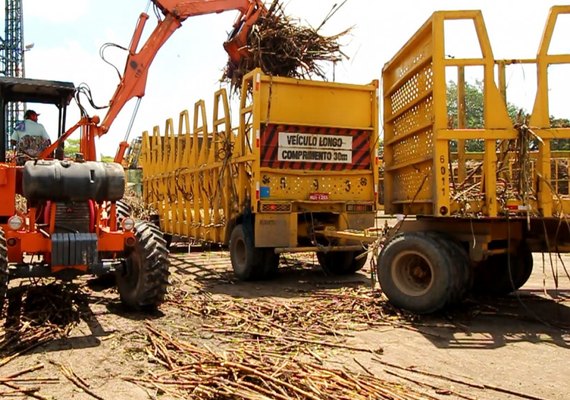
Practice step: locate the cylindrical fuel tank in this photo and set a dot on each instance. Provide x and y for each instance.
(57, 180)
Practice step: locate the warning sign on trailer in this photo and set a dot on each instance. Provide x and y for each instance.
(307, 147)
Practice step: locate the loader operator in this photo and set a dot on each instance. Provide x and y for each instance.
(30, 137)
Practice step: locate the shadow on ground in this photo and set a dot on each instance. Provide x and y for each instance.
(39, 317)
(212, 271)
(493, 322)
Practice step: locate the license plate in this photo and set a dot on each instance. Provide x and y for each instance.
(318, 196)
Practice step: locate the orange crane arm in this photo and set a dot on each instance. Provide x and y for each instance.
(133, 82)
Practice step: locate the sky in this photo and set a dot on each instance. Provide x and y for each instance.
(67, 36)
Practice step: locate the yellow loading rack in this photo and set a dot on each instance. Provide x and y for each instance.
(418, 136)
(301, 165)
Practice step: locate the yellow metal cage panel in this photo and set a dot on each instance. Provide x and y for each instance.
(191, 178)
(422, 175)
(202, 179)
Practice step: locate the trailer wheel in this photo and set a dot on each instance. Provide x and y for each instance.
(4, 272)
(417, 272)
(270, 263)
(247, 261)
(460, 258)
(341, 262)
(501, 274)
(144, 279)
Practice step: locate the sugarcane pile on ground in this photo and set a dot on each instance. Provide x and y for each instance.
(20, 385)
(317, 314)
(38, 314)
(203, 373)
(310, 325)
(281, 47)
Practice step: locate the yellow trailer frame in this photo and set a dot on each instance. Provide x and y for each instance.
(301, 163)
(417, 137)
(447, 243)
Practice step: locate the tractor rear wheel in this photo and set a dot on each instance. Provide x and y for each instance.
(341, 262)
(247, 260)
(418, 272)
(4, 273)
(143, 281)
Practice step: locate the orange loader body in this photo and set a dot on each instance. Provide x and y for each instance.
(73, 220)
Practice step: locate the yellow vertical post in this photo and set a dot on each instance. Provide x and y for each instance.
(157, 187)
(182, 177)
(495, 116)
(387, 159)
(247, 122)
(255, 140)
(441, 146)
(222, 130)
(168, 166)
(147, 167)
(461, 159)
(540, 115)
(200, 128)
(376, 141)
(544, 189)
(489, 177)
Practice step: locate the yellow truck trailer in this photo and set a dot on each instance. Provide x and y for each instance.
(302, 163)
(470, 221)
(300, 173)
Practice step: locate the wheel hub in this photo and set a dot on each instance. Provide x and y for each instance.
(413, 274)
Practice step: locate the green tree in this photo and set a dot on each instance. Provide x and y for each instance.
(473, 104)
(71, 148)
(559, 144)
(474, 111)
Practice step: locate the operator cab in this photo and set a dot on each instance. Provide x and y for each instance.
(33, 91)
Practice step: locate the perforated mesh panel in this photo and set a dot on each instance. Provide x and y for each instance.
(338, 187)
(416, 86)
(413, 183)
(411, 122)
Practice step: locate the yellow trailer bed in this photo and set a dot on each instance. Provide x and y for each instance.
(301, 161)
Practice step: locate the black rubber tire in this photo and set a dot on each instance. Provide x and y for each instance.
(143, 281)
(247, 260)
(4, 272)
(341, 262)
(416, 272)
(122, 209)
(502, 274)
(270, 263)
(460, 258)
(168, 237)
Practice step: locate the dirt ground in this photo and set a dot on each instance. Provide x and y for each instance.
(492, 348)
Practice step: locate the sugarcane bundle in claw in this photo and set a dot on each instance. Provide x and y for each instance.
(280, 46)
